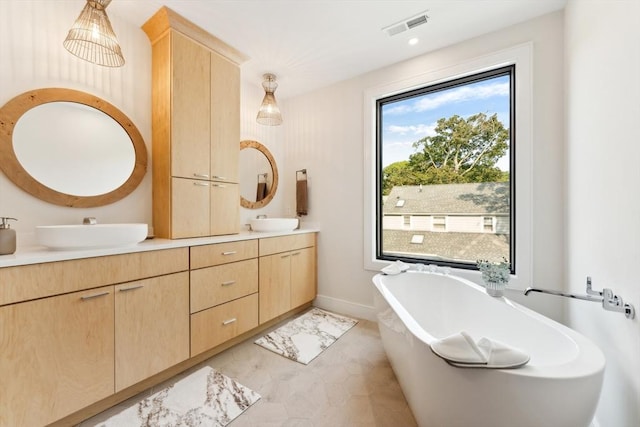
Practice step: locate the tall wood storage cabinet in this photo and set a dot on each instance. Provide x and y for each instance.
(196, 129)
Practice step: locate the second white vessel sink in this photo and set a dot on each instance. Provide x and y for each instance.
(273, 224)
(94, 236)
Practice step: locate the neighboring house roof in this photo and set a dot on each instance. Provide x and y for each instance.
(449, 246)
(487, 198)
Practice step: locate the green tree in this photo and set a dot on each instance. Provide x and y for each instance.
(467, 148)
(463, 150)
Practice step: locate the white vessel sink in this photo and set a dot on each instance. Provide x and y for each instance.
(273, 224)
(70, 237)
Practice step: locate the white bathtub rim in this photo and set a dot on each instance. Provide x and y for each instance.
(589, 358)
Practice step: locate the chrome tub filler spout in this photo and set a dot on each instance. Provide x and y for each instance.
(609, 300)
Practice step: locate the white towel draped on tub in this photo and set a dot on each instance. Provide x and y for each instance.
(463, 351)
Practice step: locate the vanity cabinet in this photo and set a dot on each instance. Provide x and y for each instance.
(196, 129)
(56, 356)
(224, 292)
(287, 266)
(75, 332)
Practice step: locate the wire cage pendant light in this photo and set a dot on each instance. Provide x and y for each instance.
(269, 113)
(91, 37)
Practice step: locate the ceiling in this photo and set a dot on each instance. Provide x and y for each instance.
(310, 44)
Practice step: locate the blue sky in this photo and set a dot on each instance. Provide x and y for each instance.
(410, 120)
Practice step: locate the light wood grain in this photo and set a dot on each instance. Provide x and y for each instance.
(225, 119)
(222, 253)
(161, 135)
(191, 108)
(273, 245)
(217, 285)
(225, 208)
(165, 18)
(151, 327)
(56, 356)
(303, 276)
(216, 325)
(190, 215)
(27, 282)
(275, 285)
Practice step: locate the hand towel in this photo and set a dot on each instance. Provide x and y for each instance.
(463, 351)
(395, 268)
(301, 197)
(261, 191)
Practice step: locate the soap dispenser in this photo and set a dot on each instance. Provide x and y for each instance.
(7, 236)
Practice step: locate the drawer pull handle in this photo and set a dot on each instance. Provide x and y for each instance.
(219, 177)
(88, 297)
(285, 256)
(201, 184)
(295, 253)
(219, 185)
(228, 283)
(230, 253)
(201, 175)
(228, 322)
(131, 288)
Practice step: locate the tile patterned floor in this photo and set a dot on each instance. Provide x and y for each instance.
(350, 384)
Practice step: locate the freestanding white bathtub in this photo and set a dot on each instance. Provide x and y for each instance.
(559, 387)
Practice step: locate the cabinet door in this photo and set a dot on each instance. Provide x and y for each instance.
(151, 327)
(225, 208)
(190, 208)
(225, 119)
(190, 108)
(56, 356)
(274, 285)
(303, 276)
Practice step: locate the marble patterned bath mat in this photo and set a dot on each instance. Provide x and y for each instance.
(305, 337)
(204, 398)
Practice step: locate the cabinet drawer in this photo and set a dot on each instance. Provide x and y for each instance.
(216, 325)
(213, 286)
(273, 245)
(222, 253)
(27, 282)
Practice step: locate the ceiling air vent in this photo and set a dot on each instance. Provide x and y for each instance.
(407, 24)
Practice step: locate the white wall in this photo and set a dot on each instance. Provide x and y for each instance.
(324, 134)
(32, 57)
(602, 174)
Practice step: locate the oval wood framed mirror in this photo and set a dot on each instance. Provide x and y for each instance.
(24, 107)
(258, 175)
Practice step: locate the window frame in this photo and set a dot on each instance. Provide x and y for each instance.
(446, 84)
(447, 69)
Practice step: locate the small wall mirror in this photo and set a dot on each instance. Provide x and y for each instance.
(258, 175)
(70, 148)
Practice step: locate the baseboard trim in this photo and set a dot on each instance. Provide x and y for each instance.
(345, 307)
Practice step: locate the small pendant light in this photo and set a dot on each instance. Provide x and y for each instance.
(269, 113)
(91, 37)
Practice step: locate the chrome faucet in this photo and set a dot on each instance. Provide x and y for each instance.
(609, 300)
(89, 220)
(261, 217)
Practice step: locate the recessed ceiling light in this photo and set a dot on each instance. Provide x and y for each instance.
(413, 41)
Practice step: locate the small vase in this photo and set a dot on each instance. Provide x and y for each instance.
(495, 289)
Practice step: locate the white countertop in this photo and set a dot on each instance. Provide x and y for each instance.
(39, 254)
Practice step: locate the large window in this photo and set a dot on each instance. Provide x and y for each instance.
(445, 171)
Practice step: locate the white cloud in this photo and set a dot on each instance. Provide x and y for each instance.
(463, 93)
(421, 130)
